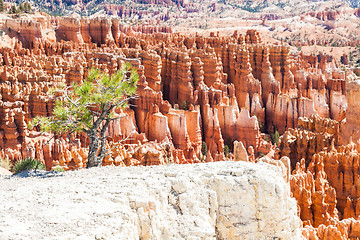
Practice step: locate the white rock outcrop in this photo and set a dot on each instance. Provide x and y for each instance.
(221, 200)
(240, 153)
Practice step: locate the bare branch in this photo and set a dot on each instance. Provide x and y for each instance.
(116, 145)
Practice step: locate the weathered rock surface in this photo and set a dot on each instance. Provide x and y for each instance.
(223, 200)
(240, 153)
(327, 194)
(349, 128)
(312, 136)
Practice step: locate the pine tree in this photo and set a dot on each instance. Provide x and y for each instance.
(89, 107)
(275, 137)
(1, 5)
(12, 9)
(27, 7)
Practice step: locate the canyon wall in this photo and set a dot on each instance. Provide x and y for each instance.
(192, 89)
(324, 176)
(327, 194)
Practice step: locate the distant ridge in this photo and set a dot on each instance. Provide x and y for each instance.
(163, 9)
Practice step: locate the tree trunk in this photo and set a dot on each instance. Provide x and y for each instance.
(102, 152)
(93, 160)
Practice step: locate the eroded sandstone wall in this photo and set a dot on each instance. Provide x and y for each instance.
(191, 89)
(324, 178)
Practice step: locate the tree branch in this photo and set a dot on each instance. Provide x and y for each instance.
(116, 145)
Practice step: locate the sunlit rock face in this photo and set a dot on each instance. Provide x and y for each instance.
(192, 89)
(222, 200)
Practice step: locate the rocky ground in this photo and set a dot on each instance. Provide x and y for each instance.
(223, 200)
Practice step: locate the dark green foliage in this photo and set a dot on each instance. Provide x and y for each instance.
(28, 164)
(351, 56)
(204, 149)
(185, 106)
(27, 7)
(229, 146)
(23, 7)
(275, 137)
(226, 150)
(1, 5)
(12, 10)
(76, 113)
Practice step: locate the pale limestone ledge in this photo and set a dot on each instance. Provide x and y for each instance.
(222, 200)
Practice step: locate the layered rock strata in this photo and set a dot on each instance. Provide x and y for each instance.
(191, 89)
(312, 136)
(327, 194)
(324, 178)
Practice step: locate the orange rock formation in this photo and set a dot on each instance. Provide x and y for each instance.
(191, 89)
(195, 89)
(325, 177)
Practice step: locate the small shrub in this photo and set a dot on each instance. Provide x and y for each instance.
(58, 168)
(351, 56)
(6, 163)
(204, 149)
(185, 106)
(28, 164)
(226, 150)
(275, 137)
(230, 144)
